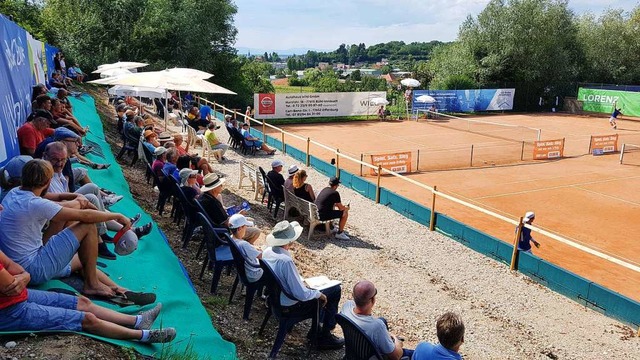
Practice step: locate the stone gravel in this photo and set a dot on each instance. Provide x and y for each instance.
(421, 274)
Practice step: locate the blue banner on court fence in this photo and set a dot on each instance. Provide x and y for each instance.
(15, 86)
(465, 100)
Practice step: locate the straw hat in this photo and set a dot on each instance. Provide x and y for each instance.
(211, 181)
(293, 169)
(284, 233)
(148, 133)
(165, 136)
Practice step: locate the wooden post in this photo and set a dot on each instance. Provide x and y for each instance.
(362, 160)
(378, 185)
(264, 134)
(199, 101)
(224, 111)
(284, 148)
(432, 221)
(337, 163)
(514, 255)
(471, 160)
(308, 154)
(522, 152)
(418, 161)
(590, 142)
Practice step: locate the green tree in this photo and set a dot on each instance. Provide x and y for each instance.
(27, 14)
(356, 75)
(451, 60)
(256, 76)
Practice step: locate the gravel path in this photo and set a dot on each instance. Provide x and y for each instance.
(421, 274)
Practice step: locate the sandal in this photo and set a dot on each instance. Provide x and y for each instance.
(100, 166)
(138, 298)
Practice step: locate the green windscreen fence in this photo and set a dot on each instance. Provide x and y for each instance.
(601, 100)
(153, 267)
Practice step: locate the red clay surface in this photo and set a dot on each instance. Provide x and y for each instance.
(591, 200)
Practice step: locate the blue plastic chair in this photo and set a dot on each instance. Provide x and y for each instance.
(241, 276)
(357, 344)
(218, 251)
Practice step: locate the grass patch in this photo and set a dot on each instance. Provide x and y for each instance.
(282, 89)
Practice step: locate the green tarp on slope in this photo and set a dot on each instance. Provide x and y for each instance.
(152, 267)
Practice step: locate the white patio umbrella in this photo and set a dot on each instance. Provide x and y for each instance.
(190, 73)
(410, 82)
(376, 101)
(114, 72)
(425, 99)
(138, 91)
(119, 65)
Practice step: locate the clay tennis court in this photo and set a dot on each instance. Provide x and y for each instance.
(590, 200)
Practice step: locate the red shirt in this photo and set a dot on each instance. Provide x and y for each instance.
(181, 151)
(6, 301)
(29, 137)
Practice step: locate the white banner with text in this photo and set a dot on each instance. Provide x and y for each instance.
(305, 105)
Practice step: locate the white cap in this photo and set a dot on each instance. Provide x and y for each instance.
(276, 163)
(238, 220)
(529, 216)
(127, 244)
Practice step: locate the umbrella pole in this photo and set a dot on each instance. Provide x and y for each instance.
(166, 109)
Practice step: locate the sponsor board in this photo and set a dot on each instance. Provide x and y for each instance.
(396, 162)
(602, 100)
(603, 144)
(305, 105)
(548, 149)
(467, 100)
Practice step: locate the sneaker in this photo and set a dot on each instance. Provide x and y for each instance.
(108, 192)
(105, 253)
(149, 317)
(110, 200)
(161, 335)
(341, 236)
(135, 218)
(143, 230)
(106, 238)
(330, 342)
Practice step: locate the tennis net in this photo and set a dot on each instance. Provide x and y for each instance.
(630, 154)
(495, 130)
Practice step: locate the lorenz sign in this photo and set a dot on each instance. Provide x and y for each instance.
(305, 105)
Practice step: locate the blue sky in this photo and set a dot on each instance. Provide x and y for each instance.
(325, 24)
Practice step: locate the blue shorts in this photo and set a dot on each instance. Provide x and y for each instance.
(53, 260)
(43, 310)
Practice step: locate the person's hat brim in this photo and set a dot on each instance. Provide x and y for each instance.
(273, 241)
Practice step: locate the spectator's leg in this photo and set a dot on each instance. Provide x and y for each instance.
(252, 234)
(86, 259)
(343, 220)
(330, 310)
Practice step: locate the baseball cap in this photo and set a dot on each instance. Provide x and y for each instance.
(127, 244)
(293, 169)
(529, 215)
(227, 116)
(160, 150)
(184, 175)
(64, 133)
(13, 169)
(238, 220)
(276, 163)
(334, 181)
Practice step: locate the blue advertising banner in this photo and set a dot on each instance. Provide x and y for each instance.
(466, 100)
(50, 52)
(15, 86)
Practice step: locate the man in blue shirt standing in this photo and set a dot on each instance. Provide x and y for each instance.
(524, 243)
(450, 331)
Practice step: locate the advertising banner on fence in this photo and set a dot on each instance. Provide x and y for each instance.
(548, 149)
(467, 100)
(603, 144)
(398, 162)
(15, 85)
(601, 101)
(304, 105)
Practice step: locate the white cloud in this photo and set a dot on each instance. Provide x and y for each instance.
(325, 24)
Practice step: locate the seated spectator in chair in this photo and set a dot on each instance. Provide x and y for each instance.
(151, 140)
(238, 225)
(32, 133)
(189, 183)
(197, 123)
(158, 163)
(209, 200)
(37, 310)
(277, 256)
(288, 183)
(170, 167)
(62, 118)
(252, 140)
(450, 331)
(381, 112)
(56, 155)
(73, 143)
(75, 249)
(37, 90)
(330, 207)
(75, 73)
(276, 178)
(360, 310)
(216, 145)
(228, 121)
(184, 162)
(301, 188)
(198, 162)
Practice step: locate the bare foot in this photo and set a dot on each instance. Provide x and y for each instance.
(100, 290)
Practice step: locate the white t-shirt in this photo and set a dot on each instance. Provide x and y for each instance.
(59, 184)
(250, 257)
(372, 326)
(23, 218)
